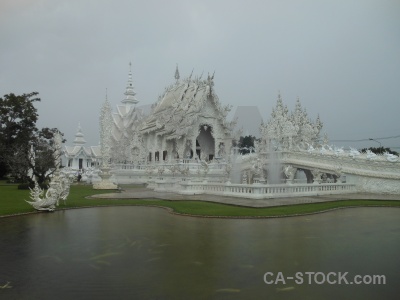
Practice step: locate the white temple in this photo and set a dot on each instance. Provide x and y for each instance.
(185, 144)
(79, 157)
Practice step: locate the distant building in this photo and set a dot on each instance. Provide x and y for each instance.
(249, 120)
(79, 157)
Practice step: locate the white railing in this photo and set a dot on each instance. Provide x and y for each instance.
(259, 191)
(192, 164)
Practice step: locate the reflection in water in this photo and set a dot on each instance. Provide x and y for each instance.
(138, 252)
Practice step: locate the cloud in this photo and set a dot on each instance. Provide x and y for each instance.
(340, 57)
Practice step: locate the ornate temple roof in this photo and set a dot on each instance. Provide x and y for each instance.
(181, 105)
(78, 148)
(130, 90)
(128, 116)
(79, 137)
(126, 122)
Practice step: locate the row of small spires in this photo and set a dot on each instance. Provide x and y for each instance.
(130, 92)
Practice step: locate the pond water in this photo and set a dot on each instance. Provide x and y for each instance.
(147, 253)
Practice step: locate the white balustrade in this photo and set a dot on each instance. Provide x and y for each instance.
(258, 191)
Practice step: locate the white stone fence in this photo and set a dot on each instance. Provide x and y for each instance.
(192, 164)
(253, 191)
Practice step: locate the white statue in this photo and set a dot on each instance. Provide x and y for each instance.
(391, 157)
(354, 152)
(339, 151)
(310, 148)
(371, 155)
(106, 123)
(58, 190)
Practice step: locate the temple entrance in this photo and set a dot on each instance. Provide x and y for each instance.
(80, 163)
(164, 157)
(198, 149)
(205, 143)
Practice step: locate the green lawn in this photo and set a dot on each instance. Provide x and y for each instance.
(12, 202)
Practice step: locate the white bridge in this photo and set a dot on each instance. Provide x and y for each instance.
(326, 173)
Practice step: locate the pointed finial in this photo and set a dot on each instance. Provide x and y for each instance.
(177, 73)
(130, 90)
(279, 96)
(79, 137)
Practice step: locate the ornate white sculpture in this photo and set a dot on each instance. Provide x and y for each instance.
(106, 123)
(189, 110)
(59, 184)
(391, 157)
(47, 202)
(286, 130)
(370, 155)
(339, 151)
(354, 152)
(290, 172)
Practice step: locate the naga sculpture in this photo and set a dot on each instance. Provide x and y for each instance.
(59, 185)
(58, 190)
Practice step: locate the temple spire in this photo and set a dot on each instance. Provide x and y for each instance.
(79, 137)
(177, 73)
(130, 91)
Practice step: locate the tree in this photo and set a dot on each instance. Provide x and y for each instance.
(43, 162)
(22, 146)
(246, 144)
(379, 150)
(18, 117)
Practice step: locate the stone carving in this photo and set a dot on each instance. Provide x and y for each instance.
(221, 150)
(289, 171)
(58, 190)
(184, 171)
(391, 157)
(287, 130)
(47, 202)
(106, 123)
(316, 173)
(174, 169)
(150, 169)
(204, 167)
(258, 169)
(354, 152)
(370, 155)
(227, 170)
(59, 184)
(160, 170)
(244, 178)
(339, 151)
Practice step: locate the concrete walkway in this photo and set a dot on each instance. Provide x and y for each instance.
(143, 193)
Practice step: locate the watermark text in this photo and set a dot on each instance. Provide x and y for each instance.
(322, 278)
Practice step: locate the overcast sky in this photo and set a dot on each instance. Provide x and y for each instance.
(341, 57)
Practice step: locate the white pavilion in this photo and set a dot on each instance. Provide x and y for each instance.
(79, 157)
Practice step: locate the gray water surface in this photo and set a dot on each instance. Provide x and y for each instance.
(147, 253)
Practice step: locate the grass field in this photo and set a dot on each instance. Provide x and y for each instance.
(12, 202)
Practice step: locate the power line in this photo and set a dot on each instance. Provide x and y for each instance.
(364, 140)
